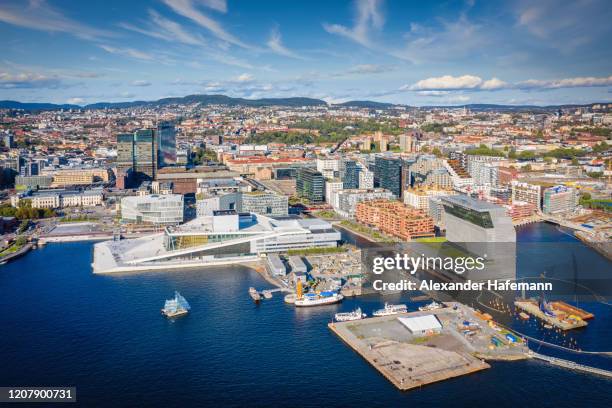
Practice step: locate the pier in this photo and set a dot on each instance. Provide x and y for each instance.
(411, 360)
(571, 365)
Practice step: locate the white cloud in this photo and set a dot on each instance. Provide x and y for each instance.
(578, 82)
(245, 78)
(475, 83)
(141, 82)
(165, 29)
(433, 93)
(28, 80)
(128, 52)
(369, 16)
(187, 8)
(38, 15)
(370, 69)
(447, 82)
(217, 5)
(452, 40)
(275, 43)
(76, 101)
(493, 84)
(564, 25)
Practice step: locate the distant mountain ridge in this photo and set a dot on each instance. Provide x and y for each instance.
(289, 102)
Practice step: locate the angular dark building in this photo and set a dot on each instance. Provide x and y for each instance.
(388, 173)
(350, 179)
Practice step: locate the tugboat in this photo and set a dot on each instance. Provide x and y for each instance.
(176, 307)
(391, 310)
(349, 316)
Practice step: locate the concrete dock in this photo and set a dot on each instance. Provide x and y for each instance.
(410, 360)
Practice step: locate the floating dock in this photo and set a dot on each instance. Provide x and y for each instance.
(572, 310)
(560, 320)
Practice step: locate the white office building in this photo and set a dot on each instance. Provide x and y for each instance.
(153, 209)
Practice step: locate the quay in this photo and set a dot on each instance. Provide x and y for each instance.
(411, 358)
(571, 365)
(558, 321)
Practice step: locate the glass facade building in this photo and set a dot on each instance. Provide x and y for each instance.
(351, 175)
(310, 184)
(388, 174)
(166, 141)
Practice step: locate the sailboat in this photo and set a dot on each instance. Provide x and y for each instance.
(176, 307)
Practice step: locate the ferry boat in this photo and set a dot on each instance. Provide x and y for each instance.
(432, 306)
(317, 299)
(390, 310)
(349, 316)
(176, 307)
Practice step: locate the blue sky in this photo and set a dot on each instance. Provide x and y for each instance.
(412, 52)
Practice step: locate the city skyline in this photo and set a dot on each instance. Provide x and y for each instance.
(459, 52)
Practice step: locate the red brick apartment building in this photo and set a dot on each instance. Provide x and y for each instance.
(394, 218)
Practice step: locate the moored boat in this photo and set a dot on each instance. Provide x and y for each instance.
(390, 310)
(318, 299)
(432, 306)
(176, 307)
(349, 316)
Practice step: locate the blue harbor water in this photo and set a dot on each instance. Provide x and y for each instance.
(63, 326)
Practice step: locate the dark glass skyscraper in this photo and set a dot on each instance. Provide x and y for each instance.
(388, 172)
(166, 142)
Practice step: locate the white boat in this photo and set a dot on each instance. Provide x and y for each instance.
(432, 306)
(317, 299)
(176, 307)
(391, 310)
(349, 316)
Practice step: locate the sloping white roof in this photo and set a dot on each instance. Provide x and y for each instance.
(421, 323)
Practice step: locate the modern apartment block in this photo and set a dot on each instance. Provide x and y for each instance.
(347, 200)
(394, 218)
(419, 197)
(559, 200)
(330, 167)
(331, 188)
(366, 179)
(528, 193)
(153, 209)
(264, 203)
(310, 184)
